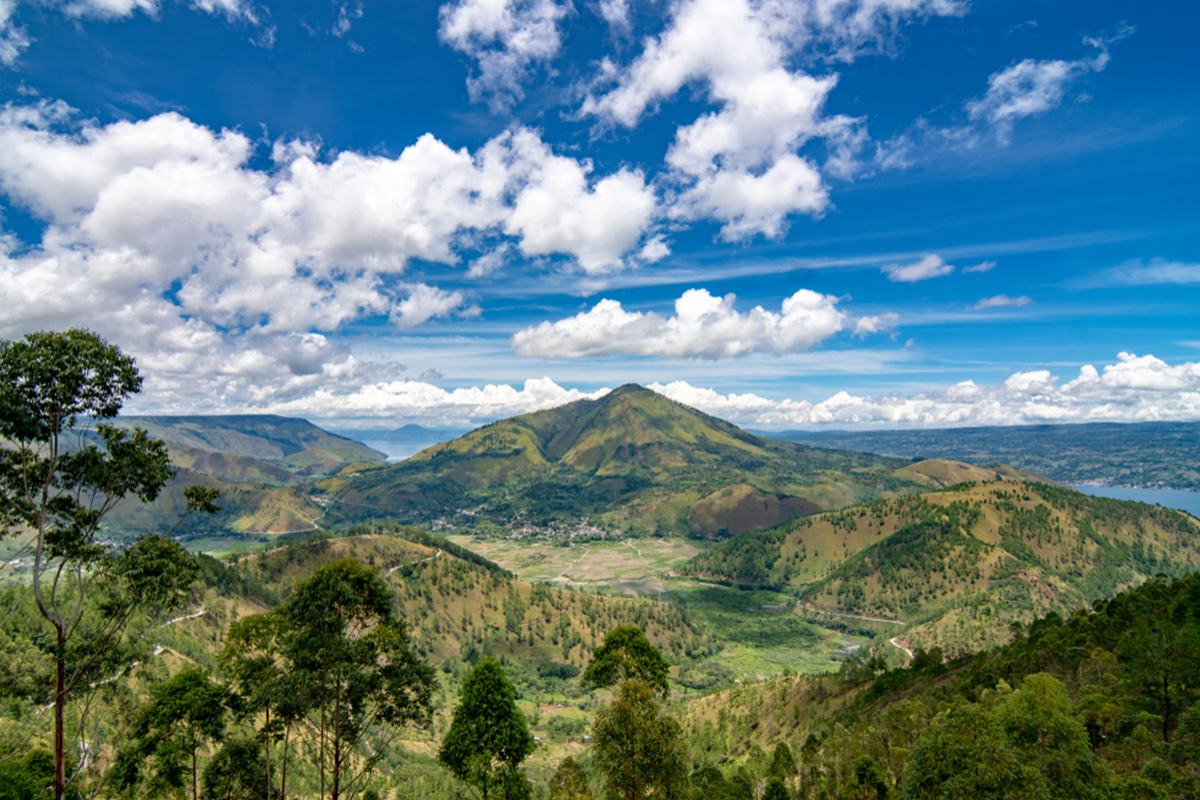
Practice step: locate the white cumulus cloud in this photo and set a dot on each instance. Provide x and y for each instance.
(556, 210)
(703, 327)
(740, 164)
(160, 234)
(505, 37)
(1135, 388)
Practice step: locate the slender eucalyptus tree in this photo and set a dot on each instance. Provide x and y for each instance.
(58, 491)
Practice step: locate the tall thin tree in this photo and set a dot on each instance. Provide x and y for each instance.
(60, 494)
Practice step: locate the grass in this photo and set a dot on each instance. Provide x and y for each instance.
(762, 634)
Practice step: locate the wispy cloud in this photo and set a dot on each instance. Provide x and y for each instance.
(931, 266)
(1001, 300)
(865, 326)
(1156, 271)
(983, 266)
(1031, 87)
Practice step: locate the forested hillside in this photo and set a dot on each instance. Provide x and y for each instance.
(1099, 704)
(959, 565)
(455, 606)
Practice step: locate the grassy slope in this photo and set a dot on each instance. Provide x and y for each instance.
(263, 436)
(633, 460)
(959, 565)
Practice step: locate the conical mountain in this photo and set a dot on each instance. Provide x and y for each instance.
(631, 461)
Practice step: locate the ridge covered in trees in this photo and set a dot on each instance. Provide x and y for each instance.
(960, 564)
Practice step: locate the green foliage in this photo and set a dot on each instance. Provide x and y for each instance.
(965, 756)
(185, 712)
(569, 782)
(236, 772)
(961, 564)
(421, 537)
(868, 781)
(776, 790)
(638, 750)
(353, 662)
(625, 654)
(783, 763)
(30, 777)
(488, 738)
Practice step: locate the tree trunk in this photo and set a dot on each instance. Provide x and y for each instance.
(60, 701)
(337, 740)
(1166, 689)
(195, 794)
(267, 747)
(287, 732)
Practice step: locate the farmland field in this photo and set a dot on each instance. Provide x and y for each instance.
(634, 566)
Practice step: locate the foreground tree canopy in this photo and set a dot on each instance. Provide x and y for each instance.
(627, 653)
(489, 737)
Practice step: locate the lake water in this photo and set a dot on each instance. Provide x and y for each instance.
(1169, 498)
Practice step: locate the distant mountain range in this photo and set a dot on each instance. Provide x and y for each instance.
(402, 442)
(286, 446)
(1118, 454)
(261, 463)
(632, 461)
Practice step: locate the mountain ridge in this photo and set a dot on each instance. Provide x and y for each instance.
(633, 459)
(958, 565)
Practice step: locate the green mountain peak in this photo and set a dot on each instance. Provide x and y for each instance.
(633, 459)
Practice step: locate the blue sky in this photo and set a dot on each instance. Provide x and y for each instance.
(793, 214)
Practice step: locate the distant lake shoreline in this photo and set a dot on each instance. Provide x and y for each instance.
(1180, 499)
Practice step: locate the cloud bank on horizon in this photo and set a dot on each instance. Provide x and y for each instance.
(681, 167)
(1134, 389)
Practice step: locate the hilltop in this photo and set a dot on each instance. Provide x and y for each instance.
(632, 460)
(957, 566)
(263, 465)
(256, 447)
